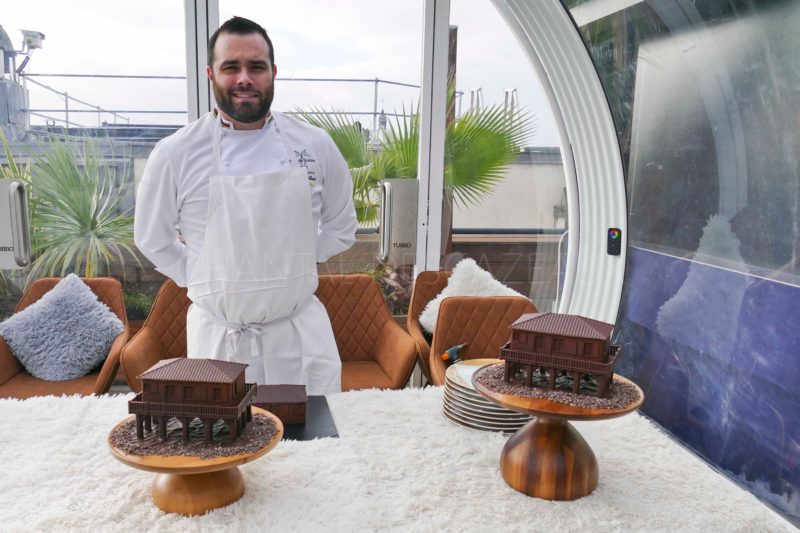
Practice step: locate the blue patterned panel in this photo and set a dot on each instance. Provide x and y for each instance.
(716, 353)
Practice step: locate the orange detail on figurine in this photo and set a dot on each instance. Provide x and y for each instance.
(450, 355)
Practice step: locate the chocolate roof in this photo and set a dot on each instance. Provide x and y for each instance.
(563, 325)
(196, 370)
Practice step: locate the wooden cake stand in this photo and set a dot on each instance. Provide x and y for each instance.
(189, 485)
(547, 458)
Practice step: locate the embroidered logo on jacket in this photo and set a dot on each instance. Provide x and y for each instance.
(303, 160)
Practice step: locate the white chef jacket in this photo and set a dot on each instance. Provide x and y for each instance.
(172, 194)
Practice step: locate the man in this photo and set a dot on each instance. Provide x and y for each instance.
(259, 198)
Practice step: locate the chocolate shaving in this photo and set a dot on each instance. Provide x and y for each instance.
(258, 433)
(620, 394)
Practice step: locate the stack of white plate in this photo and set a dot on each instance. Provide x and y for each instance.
(464, 406)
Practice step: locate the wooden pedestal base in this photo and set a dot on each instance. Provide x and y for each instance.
(547, 458)
(190, 485)
(195, 494)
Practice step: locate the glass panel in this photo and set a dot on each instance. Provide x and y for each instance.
(505, 199)
(93, 97)
(705, 138)
(704, 96)
(352, 65)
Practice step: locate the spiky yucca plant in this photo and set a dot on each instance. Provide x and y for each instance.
(13, 171)
(75, 219)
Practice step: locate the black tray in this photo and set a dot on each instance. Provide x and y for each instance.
(319, 422)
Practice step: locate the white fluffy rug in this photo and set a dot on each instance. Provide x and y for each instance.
(398, 466)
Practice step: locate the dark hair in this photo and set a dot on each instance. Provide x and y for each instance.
(238, 26)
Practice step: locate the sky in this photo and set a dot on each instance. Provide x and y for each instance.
(359, 39)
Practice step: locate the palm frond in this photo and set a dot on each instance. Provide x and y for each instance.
(343, 130)
(402, 146)
(479, 148)
(350, 141)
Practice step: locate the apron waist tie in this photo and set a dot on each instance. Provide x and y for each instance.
(239, 335)
(236, 333)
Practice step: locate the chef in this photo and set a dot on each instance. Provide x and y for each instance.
(239, 207)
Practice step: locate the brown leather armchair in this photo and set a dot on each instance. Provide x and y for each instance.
(15, 382)
(163, 335)
(482, 321)
(375, 351)
(426, 287)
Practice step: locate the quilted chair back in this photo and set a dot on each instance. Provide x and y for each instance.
(357, 311)
(482, 321)
(108, 291)
(427, 286)
(163, 335)
(167, 318)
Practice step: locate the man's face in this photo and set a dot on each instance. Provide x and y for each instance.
(242, 77)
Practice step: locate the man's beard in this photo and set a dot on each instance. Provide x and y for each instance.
(246, 113)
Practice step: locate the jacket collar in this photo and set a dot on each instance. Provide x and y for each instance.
(229, 125)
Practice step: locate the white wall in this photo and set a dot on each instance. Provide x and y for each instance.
(524, 199)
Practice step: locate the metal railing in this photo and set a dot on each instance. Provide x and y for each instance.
(119, 113)
(67, 98)
(191, 410)
(572, 364)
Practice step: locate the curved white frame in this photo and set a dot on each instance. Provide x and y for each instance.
(590, 152)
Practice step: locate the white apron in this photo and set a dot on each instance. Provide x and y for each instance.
(252, 288)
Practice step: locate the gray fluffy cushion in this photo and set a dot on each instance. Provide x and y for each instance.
(64, 335)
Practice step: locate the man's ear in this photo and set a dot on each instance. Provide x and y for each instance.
(210, 73)
(274, 71)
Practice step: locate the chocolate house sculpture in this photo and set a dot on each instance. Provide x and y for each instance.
(557, 343)
(193, 388)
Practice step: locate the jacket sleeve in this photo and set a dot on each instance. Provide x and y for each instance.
(156, 219)
(338, 223)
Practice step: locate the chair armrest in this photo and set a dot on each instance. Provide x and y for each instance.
(395, 352)
(143, 351)
(9, 366)
(110, 367)
(482, 321)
